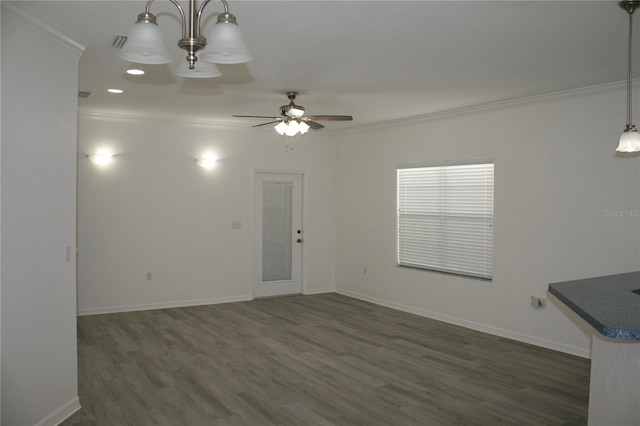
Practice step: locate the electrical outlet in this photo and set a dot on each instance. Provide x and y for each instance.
(148, 276)
(538, 302)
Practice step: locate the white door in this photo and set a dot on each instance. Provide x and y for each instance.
(279, 236)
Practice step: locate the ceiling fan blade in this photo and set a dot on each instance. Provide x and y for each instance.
(265, 124)
(257, 116)
(330, 117)
(314, 125)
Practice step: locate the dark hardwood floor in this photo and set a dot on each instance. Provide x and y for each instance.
(315, 360)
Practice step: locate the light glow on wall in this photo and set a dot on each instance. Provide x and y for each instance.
(207, 161)
(100, 158)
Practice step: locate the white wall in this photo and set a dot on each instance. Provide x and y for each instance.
(154, 210)
(0, 231)
(555, 178)
(39, 110)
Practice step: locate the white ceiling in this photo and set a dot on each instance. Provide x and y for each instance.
(375, 60)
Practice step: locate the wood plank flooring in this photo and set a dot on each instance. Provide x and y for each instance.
(315, 360)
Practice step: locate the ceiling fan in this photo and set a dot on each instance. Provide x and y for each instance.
(293, 120)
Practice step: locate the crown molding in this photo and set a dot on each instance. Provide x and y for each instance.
(137, 117)
(414, 120)
(49, 30)
(510, 103)
(122, 116)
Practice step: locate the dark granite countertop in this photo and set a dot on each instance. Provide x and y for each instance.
(608, 303)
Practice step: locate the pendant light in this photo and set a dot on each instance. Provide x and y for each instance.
(630, 139)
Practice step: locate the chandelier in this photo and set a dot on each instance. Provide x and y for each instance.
(224, 44)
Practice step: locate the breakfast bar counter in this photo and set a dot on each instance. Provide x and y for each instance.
(611, 305)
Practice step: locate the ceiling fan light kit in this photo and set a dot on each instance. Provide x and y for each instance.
(293, 121)
(295, 111)
(630, 139)
(225, 44)
(291, 128)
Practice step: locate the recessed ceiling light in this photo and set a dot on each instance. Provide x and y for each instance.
(115, 90)
(134, 71)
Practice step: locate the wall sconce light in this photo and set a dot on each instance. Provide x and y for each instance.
(100, 158)
(206, 162)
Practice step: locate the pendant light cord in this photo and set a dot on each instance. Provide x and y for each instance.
(629, 69)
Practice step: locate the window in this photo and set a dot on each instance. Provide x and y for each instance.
(445, 218)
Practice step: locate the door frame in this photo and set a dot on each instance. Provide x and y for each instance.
(257, 239)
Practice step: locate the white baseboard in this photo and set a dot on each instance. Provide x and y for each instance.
(509, 334)
(61, 414)
(162, 305)
(319, 291)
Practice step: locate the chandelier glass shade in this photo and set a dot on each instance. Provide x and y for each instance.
(225, 44)
(144, 44)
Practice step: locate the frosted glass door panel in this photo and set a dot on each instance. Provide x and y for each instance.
(279, 235)
(277, 238)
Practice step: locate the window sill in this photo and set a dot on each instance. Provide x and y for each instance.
(438, 271)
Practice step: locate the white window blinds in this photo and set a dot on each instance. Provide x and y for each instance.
(445, 218)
